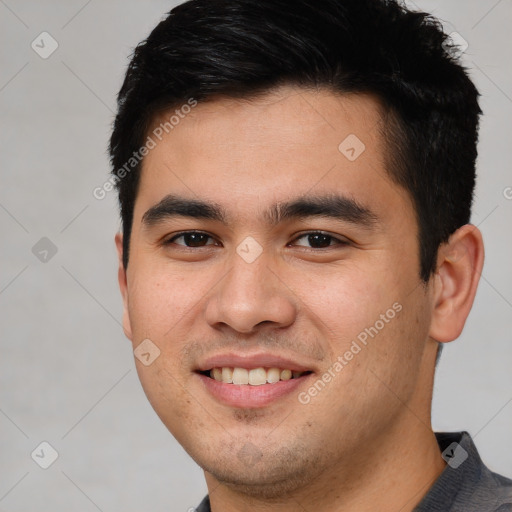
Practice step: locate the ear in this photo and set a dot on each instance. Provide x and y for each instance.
(123, 286)
(459, 265)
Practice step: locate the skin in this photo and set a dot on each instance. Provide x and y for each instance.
(366, 437)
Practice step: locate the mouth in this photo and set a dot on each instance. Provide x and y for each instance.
(252, 376)
(251, 381)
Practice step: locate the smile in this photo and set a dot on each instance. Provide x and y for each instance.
(253, 379)
(253, 376)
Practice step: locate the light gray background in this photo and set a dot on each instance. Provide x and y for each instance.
(66, 371)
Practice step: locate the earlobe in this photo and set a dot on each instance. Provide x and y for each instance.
(459, 265)
(123, 286)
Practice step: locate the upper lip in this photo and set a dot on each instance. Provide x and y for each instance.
(250, 361)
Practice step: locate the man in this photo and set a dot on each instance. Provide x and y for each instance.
(295, 180)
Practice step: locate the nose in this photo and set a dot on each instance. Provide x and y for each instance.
(250, 296)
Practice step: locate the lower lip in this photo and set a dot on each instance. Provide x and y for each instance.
(247, 396)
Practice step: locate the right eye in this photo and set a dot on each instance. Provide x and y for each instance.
(191, 239)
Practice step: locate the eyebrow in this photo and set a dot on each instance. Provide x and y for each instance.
(329, 206)
(173, 206)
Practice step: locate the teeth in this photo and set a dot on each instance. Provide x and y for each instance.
(240, 376)
(273, 375)
(253, 377)
(286, 374)
(257, 377)
(227, 375)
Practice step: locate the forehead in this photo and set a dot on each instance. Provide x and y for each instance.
(284, 144)
(286, 117)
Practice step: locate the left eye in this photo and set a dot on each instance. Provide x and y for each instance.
(192, 239)
(318, 240)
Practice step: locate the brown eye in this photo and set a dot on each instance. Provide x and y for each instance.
(192, 239)
(318, 240)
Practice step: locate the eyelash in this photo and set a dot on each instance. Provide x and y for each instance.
(338, 241)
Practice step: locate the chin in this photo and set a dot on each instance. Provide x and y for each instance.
(269, 476)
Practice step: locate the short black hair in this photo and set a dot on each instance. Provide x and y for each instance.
(206, 49)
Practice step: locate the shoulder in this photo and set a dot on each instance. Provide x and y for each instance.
(204, 506)
(466, 484)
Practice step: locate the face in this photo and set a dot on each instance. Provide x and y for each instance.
(268, 241)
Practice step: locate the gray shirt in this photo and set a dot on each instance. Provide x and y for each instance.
(465, 485)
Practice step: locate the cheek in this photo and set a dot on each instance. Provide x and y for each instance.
(341, 301)
(370, 323)
(395, 352)
(166, 392)
(159, 299)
